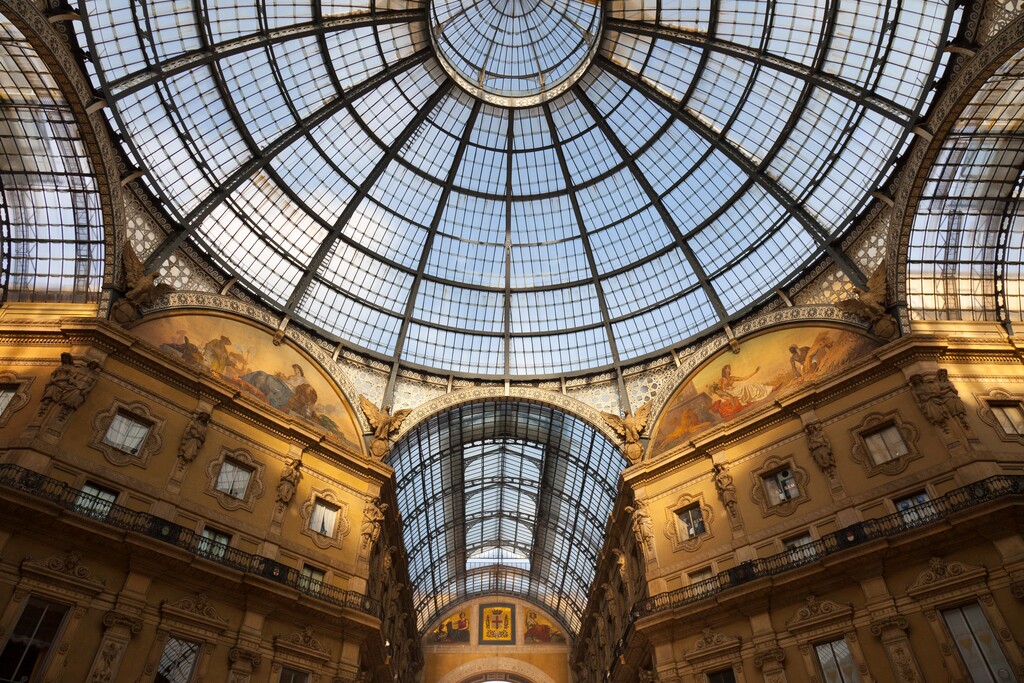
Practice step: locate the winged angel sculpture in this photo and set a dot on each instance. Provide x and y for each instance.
(870, 304)
(141, 288)
(630, 427)
(384, 424)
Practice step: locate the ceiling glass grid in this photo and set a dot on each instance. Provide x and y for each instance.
(965, 252)
(705, 156)
(51, 248)
(504, 498)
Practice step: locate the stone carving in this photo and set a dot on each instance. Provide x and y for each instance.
(384, 424)
(245, 655)
(939, 571)
(939, 400)
(951, 400)
(69, 563)
(817, 610)
(630, 427)
(141, 289)
(643, 526)
(289, 481)
(103, 670)
(870, 305)
(304, 639)
(373, 517)
(726, 488)
(193, 438)
(821, 449)
(69, 385)
(125, 621)
(647, 676)
(197, 604)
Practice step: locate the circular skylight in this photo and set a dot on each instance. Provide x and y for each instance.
(515, 52)
(347, 163)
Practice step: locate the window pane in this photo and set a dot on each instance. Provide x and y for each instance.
(126, 433)
(322, 519)
(213, 543)
(289, 675)
(29, 644)
(977, 645)
(233, 479)
(837, 662)
(1010, 418)
(6, 394)
(177, 661)
(95, 501)
(691, 522)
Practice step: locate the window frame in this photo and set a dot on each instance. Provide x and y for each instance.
(95, 501)
(43, 661)
(196, 656)
(816, 647)
(674, 524)
(341, 521)
(1000, 398)
(767, 475)
(208, 540)
(20, 394)
(136, 411)
(875, 423)
(228, 487)
(254, 489)
(906, 503)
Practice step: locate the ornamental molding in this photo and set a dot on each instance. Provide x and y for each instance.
(985, 402)
(21, 386)
(107, 163)
(567, 404)
(672, 522)
(325, 358)
(301, 646)
(195, 613)
(64, 573)
(114, 619)
(942, 576)
(861, 454)
(151, 444)
(816, 614)
(966, 76)
(712, 644)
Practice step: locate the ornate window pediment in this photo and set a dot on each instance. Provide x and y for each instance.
(942, 578)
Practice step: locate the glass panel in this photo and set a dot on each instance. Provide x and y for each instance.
(323, 518)
(1010, 418)
(233, 479)
(837, 662)
(95, 501)
(26, 650)
(177, 661)
(6, 395)
(978, 645)
(126, 433)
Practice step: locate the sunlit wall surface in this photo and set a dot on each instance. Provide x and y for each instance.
(706, 154)
(500, 497)
(52, 244)
(965, 255)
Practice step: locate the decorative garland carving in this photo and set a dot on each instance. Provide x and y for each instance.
(816, 612)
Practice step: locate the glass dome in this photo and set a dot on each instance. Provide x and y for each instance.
(512, 188)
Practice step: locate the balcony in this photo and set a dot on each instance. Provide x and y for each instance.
(84, 505)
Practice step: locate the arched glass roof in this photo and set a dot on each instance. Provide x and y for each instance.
(966, 252)
(504, 497)
(601, 182)
(51, 226)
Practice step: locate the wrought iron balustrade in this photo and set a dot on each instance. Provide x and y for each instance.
(848, 537)
(75, 501)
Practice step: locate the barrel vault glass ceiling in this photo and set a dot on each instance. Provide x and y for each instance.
(504, 498)
(514, 187)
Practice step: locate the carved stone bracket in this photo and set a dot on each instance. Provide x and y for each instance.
(892, 630)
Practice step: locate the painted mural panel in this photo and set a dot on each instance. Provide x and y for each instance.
(540, 629)
(453, 629)
(767, 366)
(244, 355)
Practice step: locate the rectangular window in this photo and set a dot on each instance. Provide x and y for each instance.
(800, 547)
(915, 508)
(1010, 417)
(723, 676)
(177, 662)
(323, 518)
(126, 433)
(290, 675)
(6, 396)
(24, 655)
(690, 522)
(233, 479)
(212, 543)
(780, 486)
(885, 444)
(312, 579)
(700, 575)
(977, 644)
(836, 662)
(95, 501)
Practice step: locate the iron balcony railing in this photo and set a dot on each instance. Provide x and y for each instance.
(86, 505)
(848, 537)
